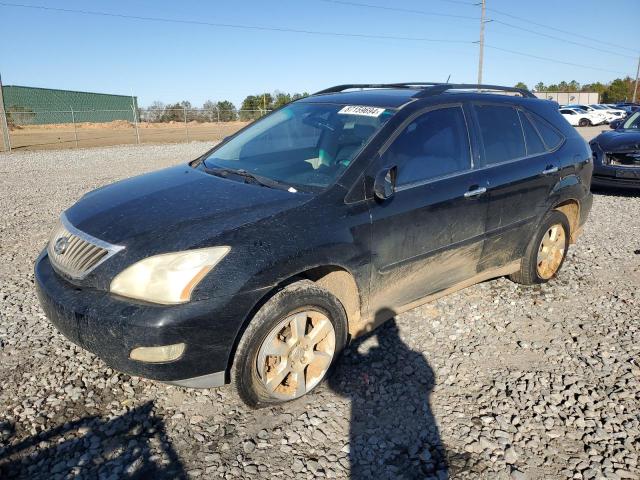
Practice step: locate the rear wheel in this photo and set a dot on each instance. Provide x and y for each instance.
(546, 251)
(290, 345)
(584, 122)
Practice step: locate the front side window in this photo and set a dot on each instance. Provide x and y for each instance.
(432, 145)
(501, 133)
(303, 144)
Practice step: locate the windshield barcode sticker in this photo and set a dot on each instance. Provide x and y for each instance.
(362, 110)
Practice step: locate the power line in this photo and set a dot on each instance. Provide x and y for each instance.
(466, 17)
(232, 25)
(554, 60)
(597, 40)
(560, 39)
(399, 9)
(460, 2)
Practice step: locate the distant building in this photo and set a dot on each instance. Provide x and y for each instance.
(46, 105)
(565, 98)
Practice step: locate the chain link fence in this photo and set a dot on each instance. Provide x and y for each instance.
(29, 130)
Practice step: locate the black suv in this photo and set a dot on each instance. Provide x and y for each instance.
(257, 263)
(616, 154)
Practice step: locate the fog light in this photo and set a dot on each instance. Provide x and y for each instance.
(165, 353)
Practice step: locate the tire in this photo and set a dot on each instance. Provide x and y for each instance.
(583, 122)
(531, 270)
(276, 327)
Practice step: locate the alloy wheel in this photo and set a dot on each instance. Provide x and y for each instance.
(296, 354)
(551, 251)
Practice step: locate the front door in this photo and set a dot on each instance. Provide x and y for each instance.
(429, 235)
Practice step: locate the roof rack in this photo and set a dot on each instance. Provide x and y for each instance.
(349, 86)
(439, 88)
(430, 88)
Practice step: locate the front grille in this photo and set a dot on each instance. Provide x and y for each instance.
(74, 253)
(625, 159)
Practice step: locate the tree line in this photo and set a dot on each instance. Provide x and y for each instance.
(253, 106)
(618, 90)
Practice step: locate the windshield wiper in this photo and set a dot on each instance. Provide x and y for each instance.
(252, 177)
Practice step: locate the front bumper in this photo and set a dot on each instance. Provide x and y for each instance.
(110, 327)
(615, 182)
(612, 176)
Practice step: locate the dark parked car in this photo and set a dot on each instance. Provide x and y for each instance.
(258, 262)
(616, 154)
(629, 107)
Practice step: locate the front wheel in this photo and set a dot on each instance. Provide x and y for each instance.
(584, 122)
(546, 251)
(290, 345)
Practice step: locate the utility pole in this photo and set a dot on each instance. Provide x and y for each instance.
(6, 140)
(635, 88)
(481, 57)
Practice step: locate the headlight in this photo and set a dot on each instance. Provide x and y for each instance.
(168, 278)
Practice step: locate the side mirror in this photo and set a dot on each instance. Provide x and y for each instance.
(384, 185)
(616, 123)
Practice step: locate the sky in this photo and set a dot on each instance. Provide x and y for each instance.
(169, 61)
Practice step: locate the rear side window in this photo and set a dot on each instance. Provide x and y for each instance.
(532, 139)
(434, 144)
(549, 134)
(501, 133)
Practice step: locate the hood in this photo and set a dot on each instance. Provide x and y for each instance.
(616, 140)
(159, 203)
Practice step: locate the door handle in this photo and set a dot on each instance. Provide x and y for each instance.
(549, 170)
(475, 193)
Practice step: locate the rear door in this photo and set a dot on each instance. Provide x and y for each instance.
(429, 234)
(522, 169)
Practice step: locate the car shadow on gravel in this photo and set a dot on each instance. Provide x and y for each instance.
(130, 446)
(393, 432)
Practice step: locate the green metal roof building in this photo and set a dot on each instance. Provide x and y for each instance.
(32, 105)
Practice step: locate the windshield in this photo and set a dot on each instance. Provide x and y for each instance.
(633, 121)
(303, 144)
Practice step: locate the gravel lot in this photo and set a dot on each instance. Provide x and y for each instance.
(497, 381)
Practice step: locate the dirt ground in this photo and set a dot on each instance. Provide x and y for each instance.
(119, 132)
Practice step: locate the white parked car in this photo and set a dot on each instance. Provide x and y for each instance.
(614, 113)
(580, 118)
(599, 117)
